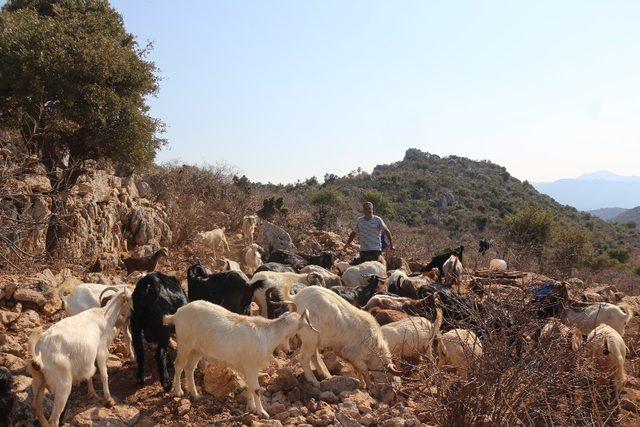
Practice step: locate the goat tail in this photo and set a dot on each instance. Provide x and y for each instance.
(627, 308)
(35, 365)
(167, 320)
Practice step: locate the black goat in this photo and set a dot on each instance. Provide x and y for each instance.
(155, 296)
(484, 245)
(439, 260)
(300, 260)
(360, 295)
(230, 289)
(6, 397)
(275, 266)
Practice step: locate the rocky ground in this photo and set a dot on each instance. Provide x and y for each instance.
(30, 303)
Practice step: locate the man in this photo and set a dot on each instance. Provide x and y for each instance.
(368, 229)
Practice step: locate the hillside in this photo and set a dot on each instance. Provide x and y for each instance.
(607, 213)
(458, 195)
(629, 215)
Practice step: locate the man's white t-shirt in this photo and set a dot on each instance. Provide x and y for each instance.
(368, 231)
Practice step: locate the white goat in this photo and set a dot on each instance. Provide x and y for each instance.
(351, 333)
(587, 318)
(458, 348)
(330, 279)
(252, 257)
(271, 237)
(357, 275)
(452, 270)
(342, 266)
(387, 302)
(412, 337)
(246, 343)
(608, 350)
(69, 351)
(283, 282)
(88, 295)
(249, 223)
(214, 240)
(555, 332)
(498, 265)
(230, 265)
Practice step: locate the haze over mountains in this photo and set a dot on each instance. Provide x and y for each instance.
(596, 191)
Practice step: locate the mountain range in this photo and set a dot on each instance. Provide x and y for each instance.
(595, 191)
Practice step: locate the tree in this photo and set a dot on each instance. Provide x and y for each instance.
(381, 203)
(569, 247)
(327, 201)
(74, 82)
(529, 230)
(271, 207)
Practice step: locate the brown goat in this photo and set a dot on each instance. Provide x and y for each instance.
(385, 316)
(145, 263)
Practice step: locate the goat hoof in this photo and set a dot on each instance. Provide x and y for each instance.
(110, 402)
(166, 387)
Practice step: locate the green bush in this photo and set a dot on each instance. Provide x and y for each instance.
(600, 262)
(620, 254)
(381, 203)
(637, 269)
(327, 202)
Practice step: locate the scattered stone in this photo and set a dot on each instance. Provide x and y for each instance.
(30, 296)
(11, 362)
(276, 408)
(9, 344)
(285, 379)
(338, 384)
(184, 407)
(346, 420)
(7, 317)
(126, 413)
(266, 423)
(21, 383)
(28, 319)
(328, 396)
(220, 380)
(294, 395)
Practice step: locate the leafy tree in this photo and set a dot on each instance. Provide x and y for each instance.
(75, 82)
(271, 207)
(242, 183)
(529, 229)
(569, 247)
(327, 201)
(381, 203)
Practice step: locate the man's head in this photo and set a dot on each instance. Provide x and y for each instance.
(367, 209)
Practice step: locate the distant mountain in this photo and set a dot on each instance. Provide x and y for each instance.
(607, 176)
(594, 190)
(628, 215)
(607, 213)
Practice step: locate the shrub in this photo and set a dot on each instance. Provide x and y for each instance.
(637, 269)
(381, 203)
(327, 201)
(272, 206)
(620, 254)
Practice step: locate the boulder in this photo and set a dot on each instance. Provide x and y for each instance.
(32, 296)
(37, 183)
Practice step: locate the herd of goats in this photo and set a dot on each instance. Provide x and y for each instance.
(368, 316)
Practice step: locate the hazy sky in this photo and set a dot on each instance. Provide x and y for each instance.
(284, 90)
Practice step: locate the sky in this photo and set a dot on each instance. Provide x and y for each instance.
(286, 90)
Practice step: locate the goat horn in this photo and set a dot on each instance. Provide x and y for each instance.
(393, 370)
(108, 288)
(305, 316)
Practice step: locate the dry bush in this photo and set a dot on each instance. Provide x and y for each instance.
(198, 198)
(544, 384)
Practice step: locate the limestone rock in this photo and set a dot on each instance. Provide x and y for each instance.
(30, 296)
(37, 183)
(118, 416)
(220, 380)
(338, 384)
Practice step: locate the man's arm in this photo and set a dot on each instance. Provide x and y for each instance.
(388, 234)
(350, 239)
